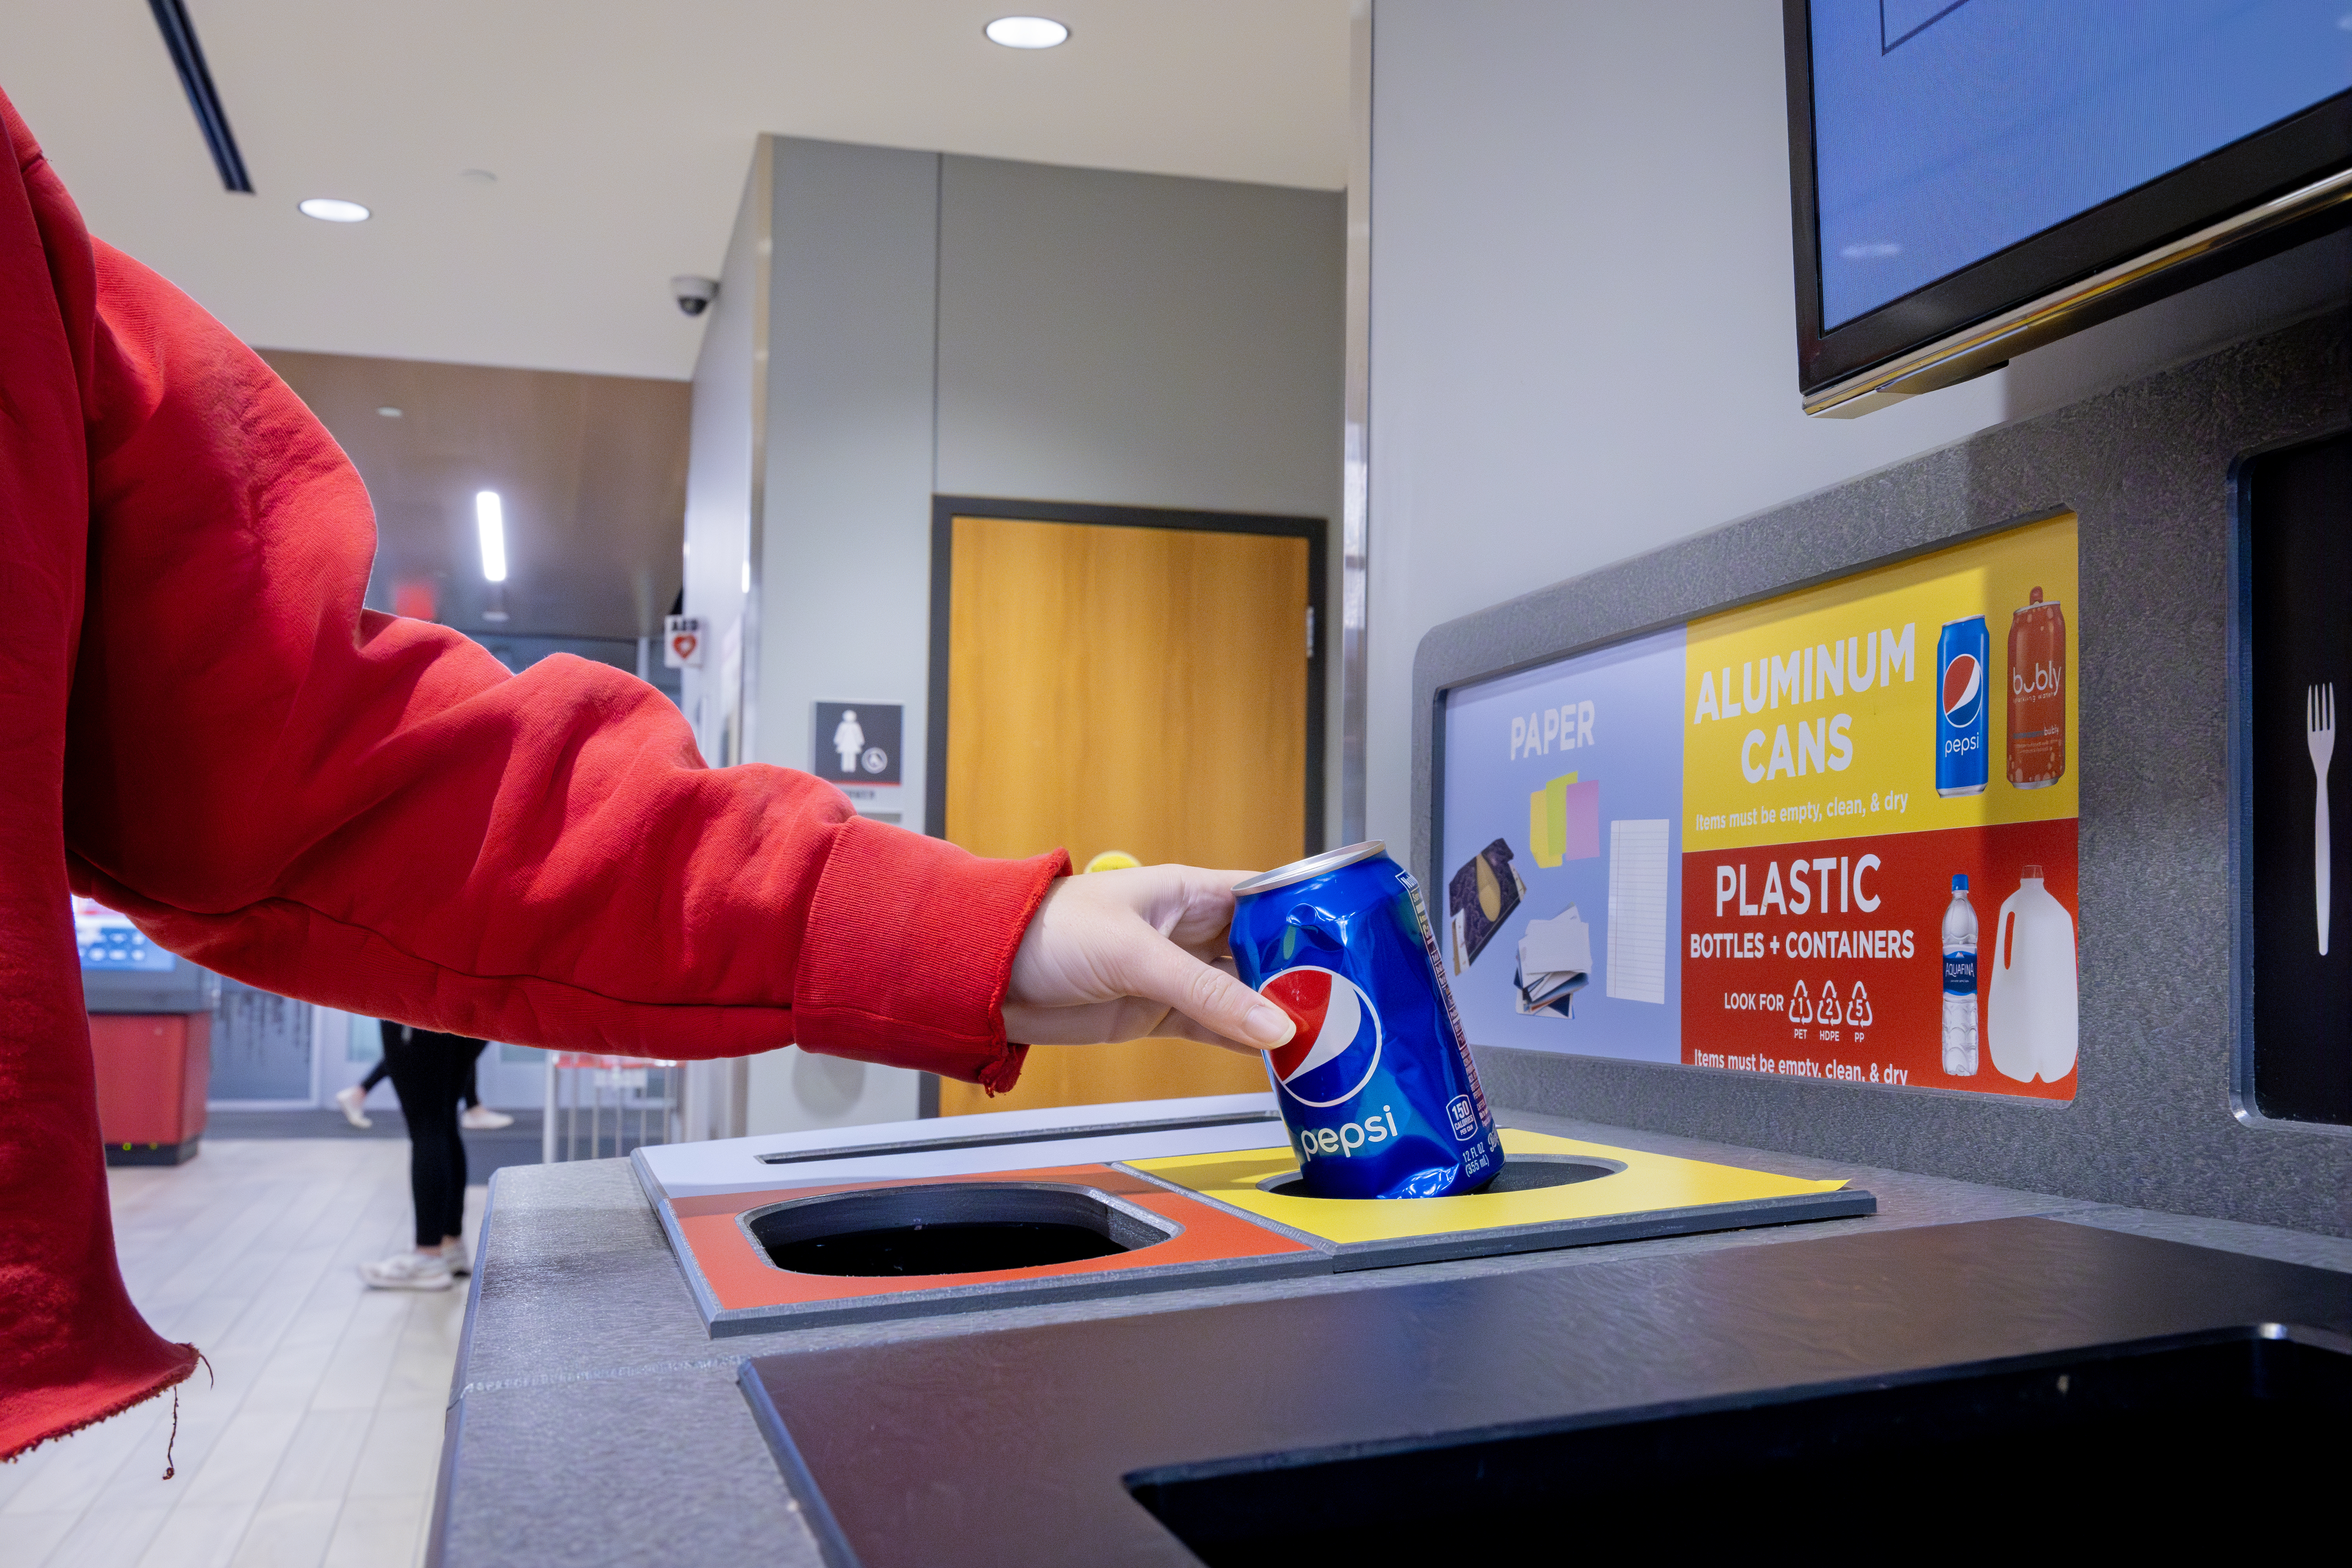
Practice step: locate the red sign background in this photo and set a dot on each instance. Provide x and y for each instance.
(1741, 972)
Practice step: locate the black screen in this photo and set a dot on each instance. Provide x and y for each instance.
(2298, 632)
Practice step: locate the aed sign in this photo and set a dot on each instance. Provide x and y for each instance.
(682, 642)
(857, 742)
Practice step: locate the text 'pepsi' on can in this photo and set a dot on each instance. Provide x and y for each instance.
(1377, 1086)
(1963, 671)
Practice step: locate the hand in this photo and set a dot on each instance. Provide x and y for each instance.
(1118, 955)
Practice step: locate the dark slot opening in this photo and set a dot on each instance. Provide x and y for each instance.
(2146, 1441)
(1521, 1173)
(959, 1228)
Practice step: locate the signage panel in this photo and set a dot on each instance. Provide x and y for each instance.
(1831, 836)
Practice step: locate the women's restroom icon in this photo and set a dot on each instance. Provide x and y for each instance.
(848, 740)
(858, 742)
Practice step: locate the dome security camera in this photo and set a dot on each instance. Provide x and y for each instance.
(693, 294)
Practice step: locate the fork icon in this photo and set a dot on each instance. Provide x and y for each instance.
(2319, 719)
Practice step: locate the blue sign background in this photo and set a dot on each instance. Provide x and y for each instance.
(1635, 754)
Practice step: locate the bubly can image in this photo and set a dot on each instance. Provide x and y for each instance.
(2037, 694)
(1963, 652)
(1376, 1086)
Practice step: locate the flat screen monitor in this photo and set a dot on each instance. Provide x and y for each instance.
(1973, 178)
(123, 972)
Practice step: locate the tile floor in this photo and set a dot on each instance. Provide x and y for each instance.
(318, 1447)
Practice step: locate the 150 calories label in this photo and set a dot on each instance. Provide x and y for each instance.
(1484, 1117)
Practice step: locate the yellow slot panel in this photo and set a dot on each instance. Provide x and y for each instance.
(1647, 1184)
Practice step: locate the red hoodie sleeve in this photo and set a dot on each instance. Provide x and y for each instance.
(371, 813)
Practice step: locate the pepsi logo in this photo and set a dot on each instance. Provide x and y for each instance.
(1338, 1047)
(1963, 688)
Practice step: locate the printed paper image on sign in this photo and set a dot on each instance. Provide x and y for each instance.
(1832, 834)
(1561, 907)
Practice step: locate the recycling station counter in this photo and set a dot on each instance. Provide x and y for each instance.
(642, 1380)
(698, 1357)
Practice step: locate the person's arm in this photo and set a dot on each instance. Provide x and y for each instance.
(373, 813)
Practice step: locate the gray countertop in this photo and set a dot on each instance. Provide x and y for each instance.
(591, 1420)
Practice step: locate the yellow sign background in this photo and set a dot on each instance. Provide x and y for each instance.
(1887, 782)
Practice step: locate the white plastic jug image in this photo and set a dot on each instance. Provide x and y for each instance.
(2030, 1015)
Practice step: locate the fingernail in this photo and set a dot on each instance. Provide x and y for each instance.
(1269, 1026)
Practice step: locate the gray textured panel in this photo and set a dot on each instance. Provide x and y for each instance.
(594, 1471)
(2148, 467)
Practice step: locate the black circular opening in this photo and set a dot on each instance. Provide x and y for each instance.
(943, 1249)
(1521, 1173)
(947, 1227)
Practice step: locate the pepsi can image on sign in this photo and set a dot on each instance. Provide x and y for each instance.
(1377, 1086)
(1963, 660)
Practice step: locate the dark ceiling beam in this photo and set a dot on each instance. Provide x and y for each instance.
(188, 60)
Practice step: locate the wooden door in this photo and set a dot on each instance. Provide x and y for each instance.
(1140, 688)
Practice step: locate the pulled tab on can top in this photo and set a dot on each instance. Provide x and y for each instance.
(1312, 867)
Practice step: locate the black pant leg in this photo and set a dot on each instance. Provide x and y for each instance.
(473, 1095)
(425, 1076)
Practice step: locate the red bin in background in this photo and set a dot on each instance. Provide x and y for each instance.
(152, 1072)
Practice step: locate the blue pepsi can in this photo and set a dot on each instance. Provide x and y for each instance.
(1377, 1086)
(1963, 671)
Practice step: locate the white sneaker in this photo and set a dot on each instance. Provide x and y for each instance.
(482, 1119)
(409, 1271)
(452, 1253)
(351, 1099)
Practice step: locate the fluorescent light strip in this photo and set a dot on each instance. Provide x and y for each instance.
(491, 521)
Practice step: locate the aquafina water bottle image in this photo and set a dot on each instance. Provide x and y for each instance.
(1959, 942)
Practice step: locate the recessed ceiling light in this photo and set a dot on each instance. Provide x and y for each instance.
(478, 176)
(389, 412)
(332, 209)
(1027, 32)
(491, 524)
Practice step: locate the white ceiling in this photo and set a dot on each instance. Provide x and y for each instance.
(619, 131)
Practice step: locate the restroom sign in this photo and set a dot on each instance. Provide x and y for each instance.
(682, 640)
(857, 742)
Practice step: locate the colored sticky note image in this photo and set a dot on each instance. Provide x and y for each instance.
(1564, 820)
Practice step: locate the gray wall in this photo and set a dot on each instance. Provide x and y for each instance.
(968, 326)
(845, 551)
(1582, 341)
(721, 456)
(2148, 467)
(963, 326)
(1137, 339)
(1582, 350)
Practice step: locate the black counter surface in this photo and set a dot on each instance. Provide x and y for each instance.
(594, 1424)
(1009, 1448)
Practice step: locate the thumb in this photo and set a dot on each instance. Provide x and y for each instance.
(1166, 974)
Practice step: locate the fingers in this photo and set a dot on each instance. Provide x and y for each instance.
(1156, 969)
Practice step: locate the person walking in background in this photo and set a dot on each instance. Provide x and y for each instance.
(475, 1117)
(429, 1071)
